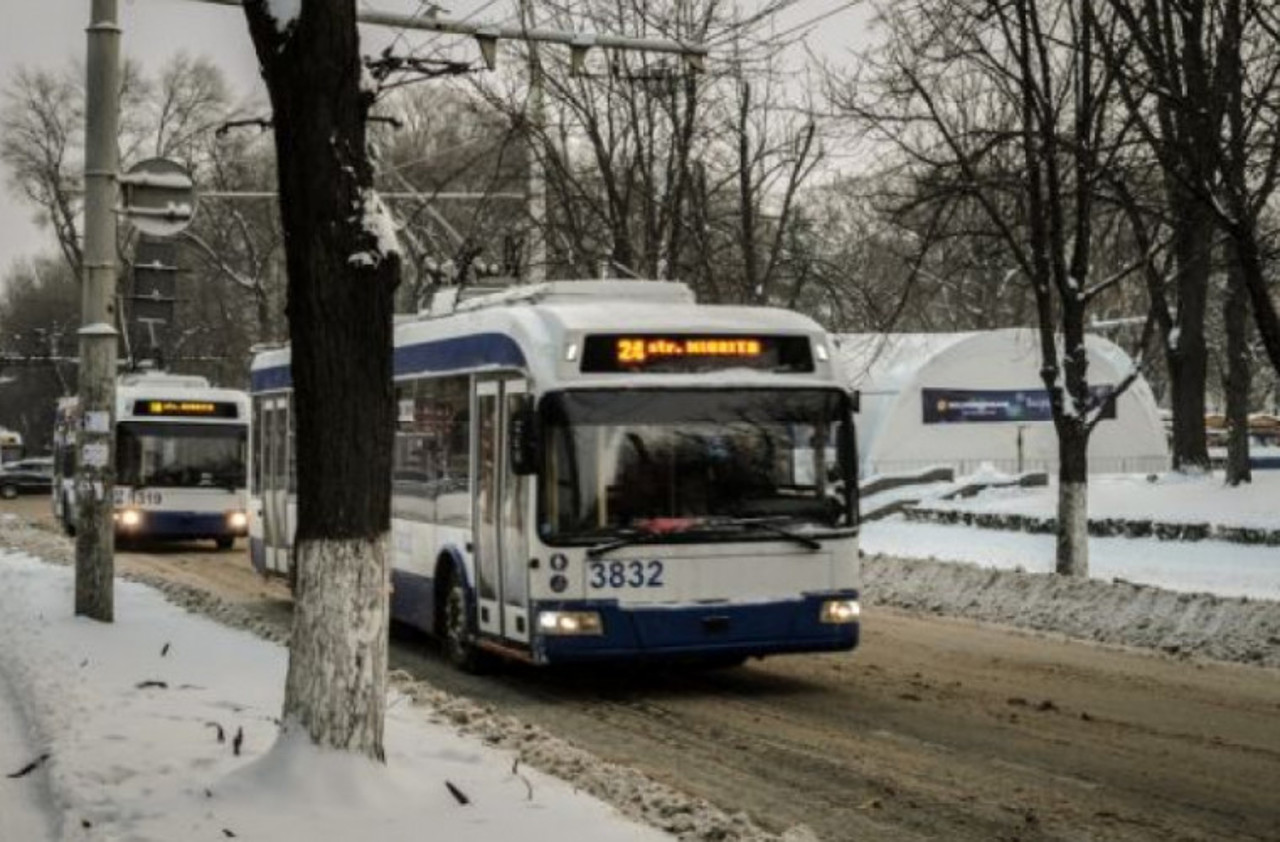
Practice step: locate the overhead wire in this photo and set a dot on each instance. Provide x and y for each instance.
(778, 36)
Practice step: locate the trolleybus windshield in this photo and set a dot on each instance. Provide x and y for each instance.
(168, 455)
(687, 464)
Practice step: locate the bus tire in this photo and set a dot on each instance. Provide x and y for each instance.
(455, 627)
(8, 492)
(224, 543)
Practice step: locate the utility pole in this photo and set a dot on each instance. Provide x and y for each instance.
(95, 450)
(535, 119)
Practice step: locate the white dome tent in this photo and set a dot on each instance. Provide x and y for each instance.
(965, 399)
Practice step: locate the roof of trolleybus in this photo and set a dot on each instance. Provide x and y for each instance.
(542, 328)
(159, 396)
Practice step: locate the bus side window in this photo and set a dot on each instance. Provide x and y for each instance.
(454, 500)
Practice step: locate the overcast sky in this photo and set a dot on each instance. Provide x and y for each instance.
(51, 34)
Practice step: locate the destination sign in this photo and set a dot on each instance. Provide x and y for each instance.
(186, 409)
(606, 353)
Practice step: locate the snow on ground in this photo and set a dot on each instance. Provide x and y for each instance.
(1217, 567)
(130, 714)
(1181, 624)
(655, 804)
(1171, 498)
(1204, 598)
(24, 802)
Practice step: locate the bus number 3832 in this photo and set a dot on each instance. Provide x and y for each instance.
(624, 574)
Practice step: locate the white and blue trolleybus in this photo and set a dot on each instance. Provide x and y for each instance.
(181, 449)
(590, 470)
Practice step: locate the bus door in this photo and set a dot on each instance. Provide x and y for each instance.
(501, 514)
(273, 456)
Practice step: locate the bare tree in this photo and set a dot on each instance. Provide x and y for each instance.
(1006, 107)
(656, 171)
(39, 317)
(342, 276)
(41, 143)
(1199, 78)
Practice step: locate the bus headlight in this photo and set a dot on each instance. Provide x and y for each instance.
(840, 611)
(570, 623)
(237, 520)
(130, 518)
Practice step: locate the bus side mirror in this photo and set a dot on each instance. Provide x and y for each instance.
(522, 435)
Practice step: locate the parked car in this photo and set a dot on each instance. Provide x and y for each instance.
(26, 476)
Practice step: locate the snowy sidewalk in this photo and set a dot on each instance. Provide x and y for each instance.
(161, 727)
(25, 811)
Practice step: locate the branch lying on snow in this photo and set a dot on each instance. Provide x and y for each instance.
(457, 793)
(30, 767)
(515, 770)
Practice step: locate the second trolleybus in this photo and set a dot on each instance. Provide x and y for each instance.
(181, 449)
(589, 470)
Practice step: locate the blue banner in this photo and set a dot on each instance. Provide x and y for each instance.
(977, 406)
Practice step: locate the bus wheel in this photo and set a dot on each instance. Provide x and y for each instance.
(224, 543)
(8, 492)
(458, 647)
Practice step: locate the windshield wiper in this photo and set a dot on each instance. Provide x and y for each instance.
(624, 541)
(768, 525)
(763, 524)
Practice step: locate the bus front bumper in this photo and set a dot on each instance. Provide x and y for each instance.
(142, 523)
(705, 631)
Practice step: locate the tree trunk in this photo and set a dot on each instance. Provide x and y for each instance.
(1185, 350)
(341, 286)
(1237, 379)
(1262, 302)
(1072, 557)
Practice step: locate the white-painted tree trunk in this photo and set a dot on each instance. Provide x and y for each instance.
(336, 688)
(1073, 529)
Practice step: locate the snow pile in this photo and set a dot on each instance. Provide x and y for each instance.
(1190, 624)
(502, 772)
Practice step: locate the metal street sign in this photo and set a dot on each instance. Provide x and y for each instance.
(158, 197)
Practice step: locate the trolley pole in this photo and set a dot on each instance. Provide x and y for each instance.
(95, 450)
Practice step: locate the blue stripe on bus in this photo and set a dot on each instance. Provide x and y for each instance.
(413, 600)
(270, 379)
(457, 354)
